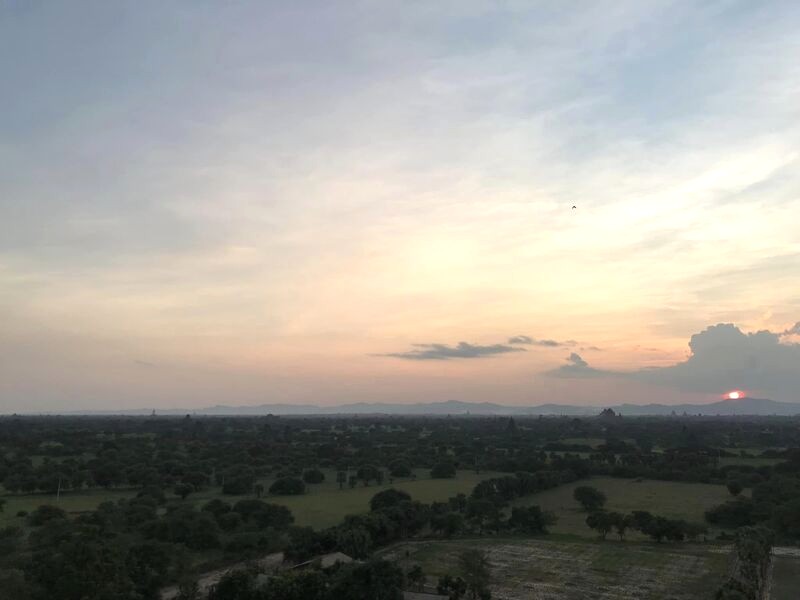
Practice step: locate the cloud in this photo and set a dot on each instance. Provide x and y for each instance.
(576, 368)
(445, 352)
(529, 341)
(794, 330)
(722, 357)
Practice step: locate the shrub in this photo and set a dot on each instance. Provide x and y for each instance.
(45, 513)
(387, 498)
(313, 476)
(287, 486)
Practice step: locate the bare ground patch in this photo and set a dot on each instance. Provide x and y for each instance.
(555, 570)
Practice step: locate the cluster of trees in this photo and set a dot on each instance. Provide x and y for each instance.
(235, 452)
(774, 502)
(473, 583)
(130, 548)
(374, 579)
(656, 527)
(504, 489)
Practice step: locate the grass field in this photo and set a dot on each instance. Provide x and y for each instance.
(569, 570)
(72, 502)
(325, 504)
(322, 506)
(671, 499)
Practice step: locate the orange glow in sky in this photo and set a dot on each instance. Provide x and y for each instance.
(734, 395)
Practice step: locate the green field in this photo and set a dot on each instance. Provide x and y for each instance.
(572, 570)
(72, 502)
(323, 505)
(671, 499)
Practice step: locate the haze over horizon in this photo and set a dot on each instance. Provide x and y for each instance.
(326, 203)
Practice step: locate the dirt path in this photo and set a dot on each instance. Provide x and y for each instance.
(206, 580)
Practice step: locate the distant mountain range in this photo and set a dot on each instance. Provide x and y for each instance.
(742, 406)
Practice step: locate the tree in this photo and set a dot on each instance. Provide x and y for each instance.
(530, 519)
(188, 590)
(787, 519)
(591, 499)
(476, 571)
(355, 541)
(388, 498)
(640, 519)
(352, 480)
(458, 503)
(399, 468)
(287, 486)
(82, 567)
(295, 585)
(13, 583)
(452, 587)
(234, 585)
(45, 513)
(216, 507)
(196, 479)
(416, 577)
(183, 490)
(482, 512)
(239, 482)
(258, 489)
(602, 522)
(695, 530)
(2, 504)
(375, 579)
(341, 478)
(367, 473)
(263, 514)
(735, 487)
(304, 543)
(453, 524)
(313, 476)
(739, 512)
(10, 540)
(443, 470)
(622, 523)
(660, 528)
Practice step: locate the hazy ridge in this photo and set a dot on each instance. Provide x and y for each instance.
(742, 406)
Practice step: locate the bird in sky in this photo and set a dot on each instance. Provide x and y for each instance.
(573, 206)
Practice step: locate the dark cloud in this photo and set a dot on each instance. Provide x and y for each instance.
(722, 357)
(529, 341)
(576, 368)
(445, 352)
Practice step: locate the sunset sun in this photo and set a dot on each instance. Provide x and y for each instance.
(735, 395)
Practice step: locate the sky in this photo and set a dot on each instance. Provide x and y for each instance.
(328, 202)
